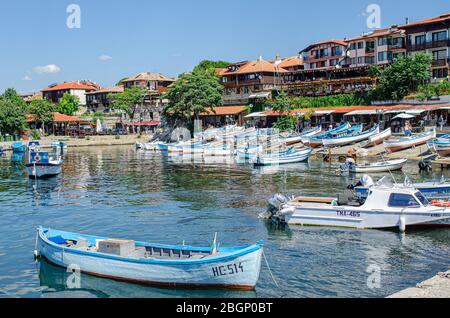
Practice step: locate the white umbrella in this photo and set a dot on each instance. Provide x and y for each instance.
(404, 116)
(99, 125)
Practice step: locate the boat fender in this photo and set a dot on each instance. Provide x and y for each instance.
(402, 224)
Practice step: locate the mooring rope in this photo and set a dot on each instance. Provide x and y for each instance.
(270, 271)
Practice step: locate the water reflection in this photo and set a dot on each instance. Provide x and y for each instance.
(53, 279)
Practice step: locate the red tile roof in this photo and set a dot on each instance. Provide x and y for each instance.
(376, 33)
(339, 42)
(60, 118)
(258, 66)
(348, 109)
(71, 85)
(441, 18)
(116, 89)
(225, 111)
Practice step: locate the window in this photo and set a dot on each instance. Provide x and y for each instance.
(336, 50)
(439, 36)
(360, 45)
(420, 39)
(422, 199)
(224, 79)
(361, 60)
(399, 200)
(440, 73)
(440, 55)
(353, 46)
(382, 41)
(382, 56)
(333, 62)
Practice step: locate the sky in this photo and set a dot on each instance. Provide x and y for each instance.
(117, 39)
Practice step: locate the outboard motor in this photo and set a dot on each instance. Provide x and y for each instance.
(425, 166)
(274, 205)
(349, 163)
(366, 181)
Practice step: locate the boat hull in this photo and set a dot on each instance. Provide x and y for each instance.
(346, 140)
(442, 149)
(239, 273)
(362, 219)
(378, 139)
(43, 170)
(394, 146)
(393, 165)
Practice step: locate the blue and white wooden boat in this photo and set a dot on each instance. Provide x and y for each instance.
(18, 147)
(296, 138)
(286, 157)
(41, 165)
(60, 146)
(316, 141)
(440, 146)
(153, 264)
(249, 151)
(351, 138)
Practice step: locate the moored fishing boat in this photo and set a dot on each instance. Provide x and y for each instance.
(386, 206)
(351, 138)
(41, 165)
(297, 138)
(375, 167)
(18, 147)
(153, 264)
(285, 157)
(378, 138)
(317, 140)
(441, 146)
(395, 145)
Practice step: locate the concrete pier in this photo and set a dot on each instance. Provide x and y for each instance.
(436, 287)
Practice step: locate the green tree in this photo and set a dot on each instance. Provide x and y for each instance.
(210, 65)
(284, 106)
(403, 77)
(42, 111)
(12, 116)
(128, 101)
(192, 94)
(11, 95)
(69, 104)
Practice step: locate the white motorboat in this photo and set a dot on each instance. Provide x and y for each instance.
(387, 206)
(285, 157)
(375, 167)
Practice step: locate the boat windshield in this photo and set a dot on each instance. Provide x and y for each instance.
(422, 199)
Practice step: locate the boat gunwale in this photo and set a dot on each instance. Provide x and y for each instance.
(239, 251)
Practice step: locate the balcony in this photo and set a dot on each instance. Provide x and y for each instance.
(428, 45)
(370, 50)
(440, 62)
(396, 46)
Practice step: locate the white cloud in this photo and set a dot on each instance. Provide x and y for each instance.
(105, 57)
(47, 69)
(26, 78)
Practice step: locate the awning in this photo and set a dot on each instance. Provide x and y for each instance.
(145, 123)
(404, 116)
(416, 111)
(260, 95)
(256, 115)
(225, 111)
(364, 112)
(324, 112)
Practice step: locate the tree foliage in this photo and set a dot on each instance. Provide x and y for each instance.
(12, 115)
(284, 106)
(206, 65)
(194, 93)
(69, 104)
(403, 77)
(128, 101)
(42, 110)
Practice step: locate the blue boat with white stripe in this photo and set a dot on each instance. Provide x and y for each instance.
(219, 267)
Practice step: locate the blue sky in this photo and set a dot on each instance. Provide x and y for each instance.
(171, 36)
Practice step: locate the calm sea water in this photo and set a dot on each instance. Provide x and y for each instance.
(121, 192)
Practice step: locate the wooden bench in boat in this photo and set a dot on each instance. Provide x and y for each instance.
(313, 200)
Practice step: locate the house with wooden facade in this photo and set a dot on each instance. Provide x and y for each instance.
(98, 101)
(155, 85)
(432, 36)
(251, 81)
(55, 92)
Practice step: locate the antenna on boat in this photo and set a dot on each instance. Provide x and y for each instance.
(390, 172)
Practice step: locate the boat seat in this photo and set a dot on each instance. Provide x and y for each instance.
(197, 256)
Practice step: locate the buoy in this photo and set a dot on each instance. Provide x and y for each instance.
(402, 224)
(36, 254)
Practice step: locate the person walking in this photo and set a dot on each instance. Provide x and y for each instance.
(408, 129)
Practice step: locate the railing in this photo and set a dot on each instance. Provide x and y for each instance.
(428, 45)
(440, 62)
(396, 46)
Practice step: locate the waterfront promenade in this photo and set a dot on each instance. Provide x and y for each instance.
(92, 141)
(436, 287)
